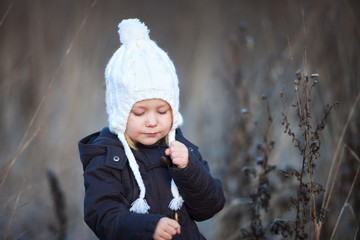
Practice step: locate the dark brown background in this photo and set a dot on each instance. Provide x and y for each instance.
(52, 60)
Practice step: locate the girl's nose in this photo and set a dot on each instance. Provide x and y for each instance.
(151, 120)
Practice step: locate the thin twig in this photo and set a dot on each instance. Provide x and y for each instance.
(325, 198)
(335, 176)
(305, 37)
(313, 200)
(354, 218)
(345, 203)
(21, 234)
(308, 137)
(290, 49)
(6, 13)
(24, 143)
(16, 156)
(8, 229)
(353, 153)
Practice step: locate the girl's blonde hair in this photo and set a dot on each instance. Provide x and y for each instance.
(132, 144)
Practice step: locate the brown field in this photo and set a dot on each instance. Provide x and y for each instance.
(233, 59)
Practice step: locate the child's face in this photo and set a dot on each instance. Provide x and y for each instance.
(149, 121)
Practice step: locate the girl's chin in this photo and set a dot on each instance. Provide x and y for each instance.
(149, 141)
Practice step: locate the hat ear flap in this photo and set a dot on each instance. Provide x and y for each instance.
(137, 71)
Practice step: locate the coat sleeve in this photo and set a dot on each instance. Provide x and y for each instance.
(203, 195)
(106, 208)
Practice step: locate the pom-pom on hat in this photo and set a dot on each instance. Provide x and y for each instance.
(137, 71)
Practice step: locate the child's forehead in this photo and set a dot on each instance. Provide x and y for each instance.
(151, 103)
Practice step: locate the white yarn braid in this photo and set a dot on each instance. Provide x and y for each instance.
(177, 200)
(139, 205)
(137, 71)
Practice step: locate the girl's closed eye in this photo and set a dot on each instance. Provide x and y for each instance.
(138, 113)
(162, 111)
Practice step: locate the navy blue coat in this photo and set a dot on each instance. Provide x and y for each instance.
(110, 188)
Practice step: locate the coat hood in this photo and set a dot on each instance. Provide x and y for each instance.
(98, 144)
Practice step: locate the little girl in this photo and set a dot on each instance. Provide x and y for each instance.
(143, 179)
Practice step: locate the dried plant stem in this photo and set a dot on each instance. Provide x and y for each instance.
(20, 150)
(326, 198)
(336, 174)
(303, 149)
(59, 204)
(353, 153)
(305, 37)
(266, 141)
(24, 142)
(8, 229)
(345, 203)
(6, 13)
(313, 201)
(349, 206)
(298, 104)
(354, 218)
(333, 183)
(309, 157)
(265, 158)
(290, 49)
(308, 154)
(21, 234)
(327, 194)
(301, 184)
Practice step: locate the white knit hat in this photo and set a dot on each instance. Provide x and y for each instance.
(137, 71)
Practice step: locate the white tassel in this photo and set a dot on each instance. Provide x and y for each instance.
(177, 201)
(140, 206)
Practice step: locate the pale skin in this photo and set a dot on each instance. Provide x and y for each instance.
(166, 228)
(149, 121)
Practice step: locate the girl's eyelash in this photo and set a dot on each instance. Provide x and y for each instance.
(142, 113)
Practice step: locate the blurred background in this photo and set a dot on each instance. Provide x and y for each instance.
(230, 56)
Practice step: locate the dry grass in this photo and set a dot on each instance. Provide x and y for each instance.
(308, 47)
(51, 94)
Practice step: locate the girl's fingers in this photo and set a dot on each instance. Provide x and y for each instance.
(176, 148)
(166, 235)
(174, 224)
(166, 228)
(178, 230)
(172, 229)
(178, 153)
(167, 152)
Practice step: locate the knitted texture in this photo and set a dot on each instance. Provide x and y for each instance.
(137, 71)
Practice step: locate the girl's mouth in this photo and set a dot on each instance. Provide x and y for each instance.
(150, 134)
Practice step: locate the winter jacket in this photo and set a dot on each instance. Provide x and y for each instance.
(110, 188)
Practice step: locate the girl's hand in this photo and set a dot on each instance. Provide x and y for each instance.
(165, 229)
(179, 154)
